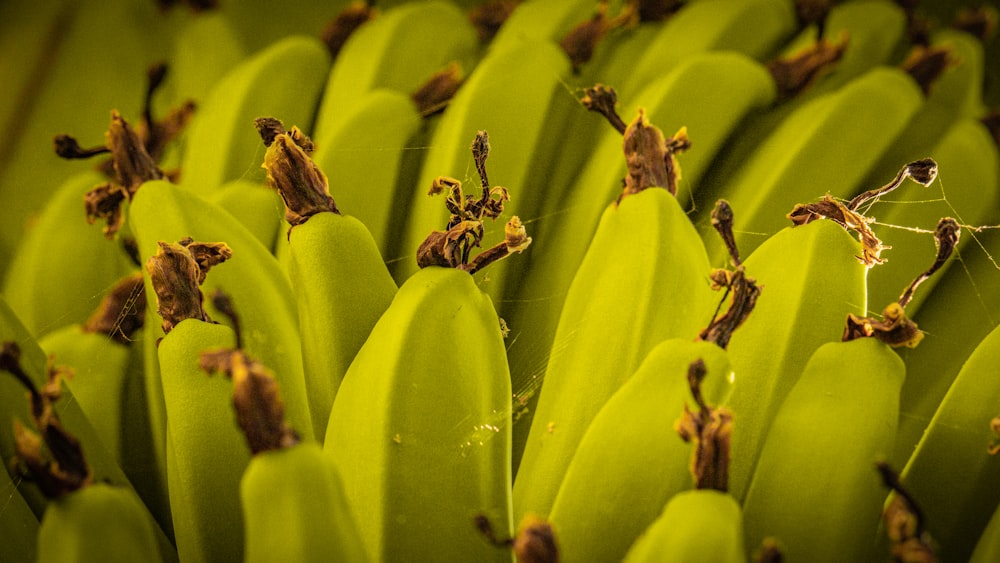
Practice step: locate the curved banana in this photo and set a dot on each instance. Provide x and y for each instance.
(534, 20)
(381, 54)
(85, 519)
(629, 463)
(18, 524)
(61, 248)
(951, 470)
(575, 214)
(988, 545)
(284, 79)
(755, 27)
(342, 284)
(420, 429)
(206, 48)
(364, 163)
(256, 206)
(664, 293)
(813, 487)
(705, 524)
(164, 212)
(291, 494)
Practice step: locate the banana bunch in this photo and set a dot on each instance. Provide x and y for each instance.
(268, 310)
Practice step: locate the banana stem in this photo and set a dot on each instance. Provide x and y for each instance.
(122, 311)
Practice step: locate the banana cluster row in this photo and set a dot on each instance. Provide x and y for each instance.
(545, 280)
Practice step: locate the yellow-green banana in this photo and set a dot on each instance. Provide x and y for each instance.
(284, 80)
(816, 149)
(342, 285)
(541, 20)
(384, 54)
(599, 342)
(206, 48)
(164, 212)
(705, 524)
(18, 524)
(84, 520)
(291, 494)
(364, 164)
(630, 462)
(988, 545)
(256, 206)
(951, 470)
(678, 99)
(813, 487)
(63, 264)
(420, 428)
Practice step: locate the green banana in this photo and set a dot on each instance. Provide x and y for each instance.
(206, 48)
(537, 303)
(380, 55)
(291, 494)
(85, 520)
(815, 276)
(98, 352)
(284, 80)
(598, 343)
(754, 27)
(256, 206)
(954, 452)
(364, 163)
(59, 248)
(164, 212)
(69, 92)
(206, 454)
(538, 20)
(813, 487)
(815, 146)
(420, 429)
(705, 524)
(988, 545)
(343, 285)
(629, 462)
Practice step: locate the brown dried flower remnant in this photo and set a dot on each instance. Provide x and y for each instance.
(260, 411)
(177, 271)
(452, 248)
(336, 33)
(795, 73)
(830, 208)
(904, 522)
(489, 16)
(290, 170)
(711, 430)
(60, 467)
(534, 542)
(433, 96)
(994, 447)
(122, 311)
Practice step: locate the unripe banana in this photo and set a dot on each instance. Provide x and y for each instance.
(63, 248)
(705, 524)
(343, 285)
(951, 471)
(663, 293)
(256, 206)
(364, 163)
(817, 145)
(988, 545)
(695, 526)
(84, 520)
(814, 488)
(802, 309)
(534, 20)
(163, 212)
(291, 494)
(206, 48)
(18, 524)
(33, 366)
(206, 453)
(398, 50)
(284, 79)
(420, 428)
(754, 27)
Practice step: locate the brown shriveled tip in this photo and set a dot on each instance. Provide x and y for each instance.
(927, 64)
(176, 272)
(434, 95)
(894, 328)
(795, 73)
(260, 411)
(603, 100)
(336, 33)
(132, 163)
(650, 157)
(904, 521)
(830, 208)
(535, 541)
(978, 21)
(994, 447)
(69, 148)
(769, 552)
(581, 41)
(655, 10)
(122, 311)
(710, 429)
(488, 17)
(290, 170)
